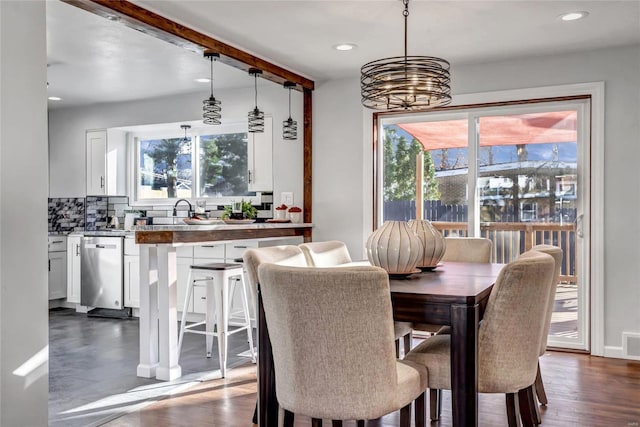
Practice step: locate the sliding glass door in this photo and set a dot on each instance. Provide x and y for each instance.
(516, 174)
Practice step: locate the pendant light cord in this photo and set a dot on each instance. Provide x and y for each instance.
(405, 13)
(255, 76)
(211, 58)
(289, 103)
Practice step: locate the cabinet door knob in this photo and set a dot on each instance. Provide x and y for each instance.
(102, 182)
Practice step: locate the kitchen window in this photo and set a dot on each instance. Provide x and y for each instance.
(209, 162)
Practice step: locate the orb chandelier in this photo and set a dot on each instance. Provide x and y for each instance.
(211, 107)
(289, 126)
(256, 117)
(405, 83)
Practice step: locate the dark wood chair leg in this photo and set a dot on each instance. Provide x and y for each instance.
(407, 343)
(360, 423)
(513, 411)
(405, 416)
(336, 423)
(289, 417)
(421, 410)
(316, 422)
(542, 396)
(435, 403)
(398, 348)
(535, 409)
(255, 415)
(525, 397)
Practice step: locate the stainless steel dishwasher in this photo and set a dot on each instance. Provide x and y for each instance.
(102, 272)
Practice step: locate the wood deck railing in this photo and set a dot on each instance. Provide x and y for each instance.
(510, 239)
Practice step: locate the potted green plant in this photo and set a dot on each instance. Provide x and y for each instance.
(247, 209)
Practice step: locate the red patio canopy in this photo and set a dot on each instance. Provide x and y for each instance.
(536, 128)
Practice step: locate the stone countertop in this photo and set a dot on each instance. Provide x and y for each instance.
(191, 234)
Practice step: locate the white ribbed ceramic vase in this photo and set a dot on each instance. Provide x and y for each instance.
(432, 242)
(394, 247)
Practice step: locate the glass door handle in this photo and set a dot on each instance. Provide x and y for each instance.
(579, 229)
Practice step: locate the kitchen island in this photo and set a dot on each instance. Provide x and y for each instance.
(158, 283)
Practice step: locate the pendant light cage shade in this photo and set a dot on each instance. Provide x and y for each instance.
(211, 108)
(406, 82)
(256, 121)
(255, 116)
(290, 129)
(289, 126)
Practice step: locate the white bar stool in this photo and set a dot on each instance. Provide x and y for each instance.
(220, 280)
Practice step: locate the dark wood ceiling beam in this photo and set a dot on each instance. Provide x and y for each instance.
(144, 20)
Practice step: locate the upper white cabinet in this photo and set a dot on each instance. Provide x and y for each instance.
(106, 162)
(97, 162)
(260, 162)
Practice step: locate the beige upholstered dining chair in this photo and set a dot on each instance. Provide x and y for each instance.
(508, 342)
(460, 249)
(326, 254)
(331, 331)
(557, 254)
(335, 253)
(467, 249)
(284, 255)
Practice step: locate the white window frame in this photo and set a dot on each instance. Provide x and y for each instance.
(172, 130)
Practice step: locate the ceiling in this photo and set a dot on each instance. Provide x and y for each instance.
(92, 59)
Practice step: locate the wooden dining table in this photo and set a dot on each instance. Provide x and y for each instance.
(453, 294)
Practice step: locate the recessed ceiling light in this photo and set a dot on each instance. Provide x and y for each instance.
(203, 80)
(54, 98)
(574, 16)
(345, 46)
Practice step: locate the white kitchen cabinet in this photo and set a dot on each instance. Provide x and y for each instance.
(57, 267)
(73, 269)
(260, 158)
(97, 162)
(132, 281)
(106, 162)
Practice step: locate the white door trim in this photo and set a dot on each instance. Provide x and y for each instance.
(596, 91)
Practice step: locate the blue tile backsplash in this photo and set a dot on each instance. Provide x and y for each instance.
(85, 213)
(66, 214)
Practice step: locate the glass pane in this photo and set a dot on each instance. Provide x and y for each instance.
(446, 163)
(165, 168)
(223, 165)
(527, 185)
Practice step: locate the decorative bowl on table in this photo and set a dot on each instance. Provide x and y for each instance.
(433, 244)
(396, 248)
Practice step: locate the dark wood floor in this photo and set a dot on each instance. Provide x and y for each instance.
(582, 391)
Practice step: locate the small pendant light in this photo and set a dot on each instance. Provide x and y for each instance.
(211, 107)
(256, 117)
(289, 126)
(186, 128)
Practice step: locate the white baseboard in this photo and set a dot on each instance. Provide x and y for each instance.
(613, 352)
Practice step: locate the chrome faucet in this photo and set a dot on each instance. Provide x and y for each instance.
(175, 211)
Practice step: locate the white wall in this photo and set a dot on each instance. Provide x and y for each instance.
(23, 214)
(341, 159)
(67, 128)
